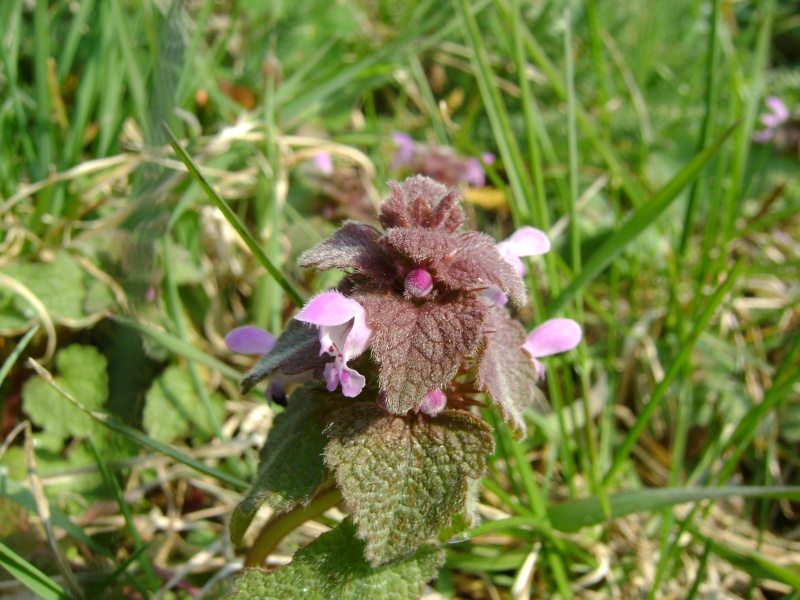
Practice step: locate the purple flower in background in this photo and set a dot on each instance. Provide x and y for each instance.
(474, 174)
(552, 337)
(772, 120)
(343, 333)
(323, 162)
(439, 162)
(254, 340)
(406, 150)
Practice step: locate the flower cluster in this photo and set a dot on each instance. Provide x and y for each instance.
(439, 162)
(428, 298)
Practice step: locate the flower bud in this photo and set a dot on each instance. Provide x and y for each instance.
(419, 283)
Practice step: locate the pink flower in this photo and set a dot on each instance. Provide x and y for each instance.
(434, 403)
(474, 173)
(552, 337)
(404, 155)
(323, 162)
(778, 115)
(254, 340)
(343, 333)
(525, 241)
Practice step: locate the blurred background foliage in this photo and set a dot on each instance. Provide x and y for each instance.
(120, 278)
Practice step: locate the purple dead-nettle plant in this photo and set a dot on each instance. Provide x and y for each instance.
(439, 162)
(391, 364)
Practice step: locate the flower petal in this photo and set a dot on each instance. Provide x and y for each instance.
(323, 162)
(342, 323)
(331, 375)
(330, 308)
(525, 241)
(762, 137)
(552, 337)
(770, 121)
(474, 174)
(352, 381)
(777, 106)
(250, 340)
(404, 155)
(276, 393)
(540, 370)
(495, 296)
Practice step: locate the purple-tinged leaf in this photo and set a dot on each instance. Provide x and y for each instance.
(295, 358)
(506, 372)
(469, 261)
(353, 246)
(422, 202)
(420, 348)
(405, 478)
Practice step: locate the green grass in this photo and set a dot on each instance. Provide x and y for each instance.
(668, 458)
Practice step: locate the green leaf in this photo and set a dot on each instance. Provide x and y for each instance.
(61, 285)
(333, 566)
(171, 409)
(82, 372)
(404, 478)
(58, 284)
(291, 467)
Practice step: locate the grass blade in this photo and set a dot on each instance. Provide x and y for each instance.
(573, 516)
(231, 217)
(637, 224)
(686, 346)
(31, 577)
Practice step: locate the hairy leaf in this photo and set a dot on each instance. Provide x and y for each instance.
(353, 246)
(404, 478)
(333, 566)
(82, 372)
(420, 348)
(291, 466)
(469, 261)
(422, 202)
(506, 371)
(294, 358)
